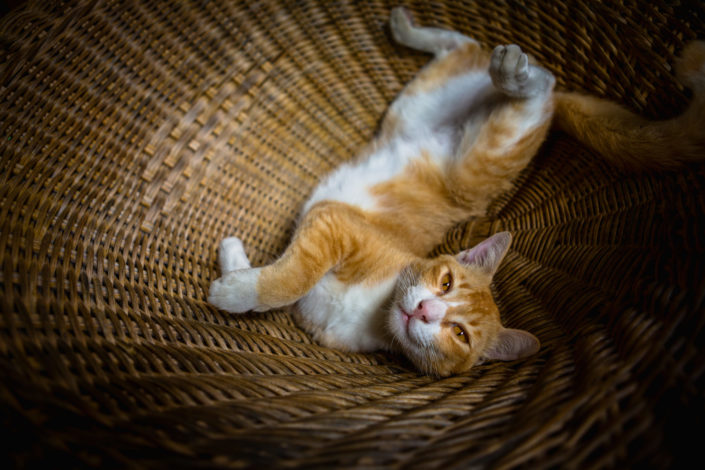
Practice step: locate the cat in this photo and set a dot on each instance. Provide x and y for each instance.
(452, 141)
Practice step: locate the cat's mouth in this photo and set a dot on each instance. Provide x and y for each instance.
(401, 319)
(405, 317)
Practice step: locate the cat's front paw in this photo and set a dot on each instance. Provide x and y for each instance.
(236, 291)
(231, 255)
(513, 75)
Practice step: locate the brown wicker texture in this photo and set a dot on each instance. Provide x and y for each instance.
(136, 135)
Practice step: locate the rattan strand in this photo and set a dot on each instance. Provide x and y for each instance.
(135, 135)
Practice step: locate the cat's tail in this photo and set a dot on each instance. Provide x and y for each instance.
(631, 141)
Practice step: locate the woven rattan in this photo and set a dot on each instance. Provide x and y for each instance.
(135, 135)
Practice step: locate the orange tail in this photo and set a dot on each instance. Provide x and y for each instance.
(631, 141)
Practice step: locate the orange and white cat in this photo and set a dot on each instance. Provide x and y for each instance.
(453, 140)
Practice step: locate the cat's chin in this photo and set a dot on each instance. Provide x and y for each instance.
(408, 341)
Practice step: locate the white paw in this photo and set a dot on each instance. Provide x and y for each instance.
(509, 68)
(512, 74)
(400, 23)
(236, 291)
(231, 255)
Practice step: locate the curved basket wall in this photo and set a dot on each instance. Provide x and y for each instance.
(136, 135)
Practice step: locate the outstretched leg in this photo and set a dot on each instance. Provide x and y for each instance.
(444, 91)
(326, 235)
(435, 41)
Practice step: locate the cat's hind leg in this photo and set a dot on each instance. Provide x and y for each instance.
(435, 41)
(453, 84)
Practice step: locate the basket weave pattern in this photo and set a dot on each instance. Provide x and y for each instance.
(136, 135)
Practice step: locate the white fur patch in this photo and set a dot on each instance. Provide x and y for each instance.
(445, 106)
(345, 316)
(231, 255)
(414, 295)
(351, 182)
(419, 332)
(236, 291)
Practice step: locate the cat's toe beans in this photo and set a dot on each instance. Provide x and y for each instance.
(497, 58)
(522, 68)
(511, 73)
(511, 56)
(508, 61)
(512, 61)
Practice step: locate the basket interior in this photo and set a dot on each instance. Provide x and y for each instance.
(137, 135)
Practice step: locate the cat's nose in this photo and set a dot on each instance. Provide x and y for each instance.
(428, 312)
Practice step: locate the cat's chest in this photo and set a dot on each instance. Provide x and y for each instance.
(353, 182)
(348, 317)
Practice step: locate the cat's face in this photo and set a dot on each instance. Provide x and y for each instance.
(443, 315)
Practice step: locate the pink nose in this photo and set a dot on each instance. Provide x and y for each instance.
(428, 311)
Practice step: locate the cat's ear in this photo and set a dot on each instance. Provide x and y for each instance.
(512, 344)
(488, 254)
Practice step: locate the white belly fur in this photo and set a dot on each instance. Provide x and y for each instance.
(351, 182)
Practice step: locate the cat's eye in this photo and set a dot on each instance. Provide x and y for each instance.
(460, 333)
(446, 282)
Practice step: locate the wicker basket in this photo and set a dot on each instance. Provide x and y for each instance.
(136, 135)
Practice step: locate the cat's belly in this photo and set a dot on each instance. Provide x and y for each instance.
(347, 317)
(352, 182)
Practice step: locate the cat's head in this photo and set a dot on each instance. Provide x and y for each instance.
(444, 318)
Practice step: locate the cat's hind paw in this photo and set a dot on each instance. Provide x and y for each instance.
(428, 39)
(232, 256)
(401, 24)
(513, 75)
